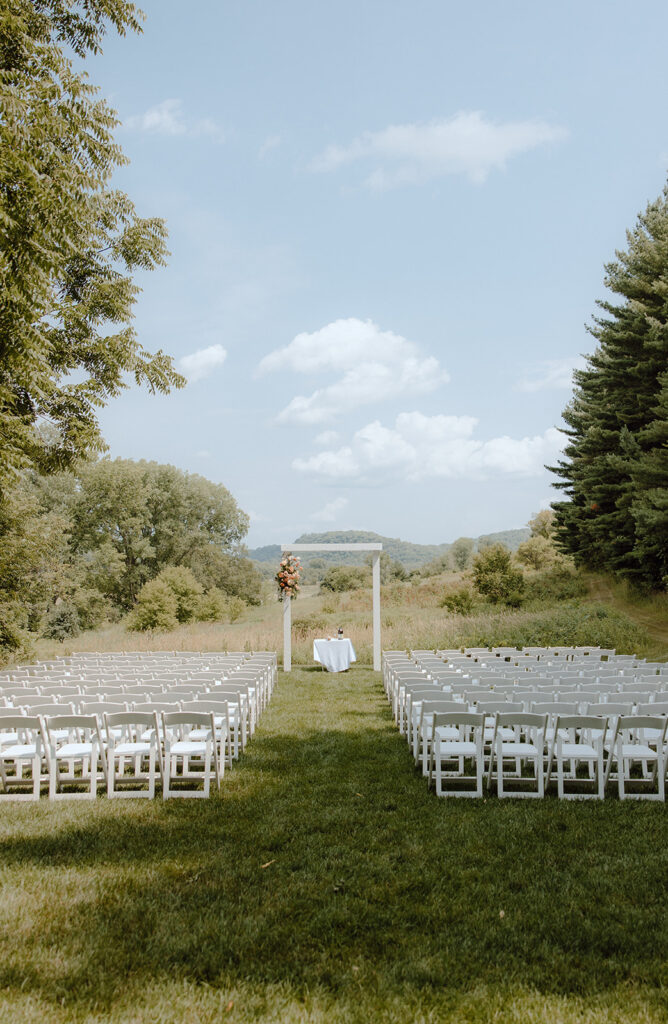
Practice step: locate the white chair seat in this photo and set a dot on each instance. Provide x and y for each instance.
(19, 750)
(132, 749)
(639, 752)
(188, 748)
(578, 751)
(446, 733)
(458, 748)
(517, 749)
(73, 750)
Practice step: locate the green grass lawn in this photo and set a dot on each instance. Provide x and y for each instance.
(327, 884)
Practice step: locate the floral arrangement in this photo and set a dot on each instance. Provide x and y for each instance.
(288, 576)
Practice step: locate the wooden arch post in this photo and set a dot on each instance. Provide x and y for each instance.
(375, 550)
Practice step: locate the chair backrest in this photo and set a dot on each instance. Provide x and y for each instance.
(157, 706)
(469, 718)
(100, 707)
(437, 706)
(633, 723)
(119, 719)
(612, 708)
(492, 707)
(658, 707)
(580, 722)
(556, 708)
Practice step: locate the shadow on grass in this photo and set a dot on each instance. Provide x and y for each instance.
(326, 850)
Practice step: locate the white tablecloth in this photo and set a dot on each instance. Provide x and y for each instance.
(334, 655)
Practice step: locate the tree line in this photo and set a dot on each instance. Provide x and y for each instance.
(79, 547)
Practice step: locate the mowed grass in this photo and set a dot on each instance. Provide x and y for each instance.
(326, 884)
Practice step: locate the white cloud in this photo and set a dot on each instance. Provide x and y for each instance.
(551, 374)
(374, 365)
(202, 363)
(414, 153)
(203, 454)
(418, 447)
(330, 512)
(168, 118)
(271, 142)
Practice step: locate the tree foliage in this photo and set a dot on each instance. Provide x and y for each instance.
(614, 516)
(68, 243)
(495, 576)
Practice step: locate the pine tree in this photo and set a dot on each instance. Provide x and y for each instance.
(615, 471)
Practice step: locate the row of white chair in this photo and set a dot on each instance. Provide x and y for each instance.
(128, 753)
(95, 727)
(418, 701)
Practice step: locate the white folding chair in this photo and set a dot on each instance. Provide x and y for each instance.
(423, 725)
(21, 745)
(76, 742)
(457, 738)
(527, 746)
(632, 746)
(198, 758)
(133, 753)
(578, 739)
(221, 720)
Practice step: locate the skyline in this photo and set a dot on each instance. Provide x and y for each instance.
(388, 229)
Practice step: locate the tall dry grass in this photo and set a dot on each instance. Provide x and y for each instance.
(411, 617)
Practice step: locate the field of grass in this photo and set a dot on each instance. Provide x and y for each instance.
(411, 617)
(326, 885)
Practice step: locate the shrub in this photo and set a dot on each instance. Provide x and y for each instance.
(235, 608)
(495, 576)
(460, 602)
(61, 622)
(156, 607)
(537, 552)
(343, 577)
(187, 591)
(212, 606)
(309, 625)
(559, 583)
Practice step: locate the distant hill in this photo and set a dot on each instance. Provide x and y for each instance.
(411, 556)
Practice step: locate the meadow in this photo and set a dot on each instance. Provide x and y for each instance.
(412, 616)
(326, 883)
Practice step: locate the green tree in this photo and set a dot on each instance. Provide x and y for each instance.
(343, 577)
(137, 518)
(495, 576)
(155, 609)
(461, 553)
(185, 588)
(614, 516)
(542, 524)
(68, 244)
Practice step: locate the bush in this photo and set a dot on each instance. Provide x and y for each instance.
(495, 576)
(560, 583)
(212, 606)
(156, 607)
(309, 626)
(536, 552)
(460, 602)
(61, 622)
(343, 577)
(235, 608)
(187, 591)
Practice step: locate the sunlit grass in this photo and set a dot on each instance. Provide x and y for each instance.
(327, 884)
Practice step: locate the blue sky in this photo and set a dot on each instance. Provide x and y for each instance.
(388, 225)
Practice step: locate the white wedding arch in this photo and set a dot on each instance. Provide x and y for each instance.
(375, 550)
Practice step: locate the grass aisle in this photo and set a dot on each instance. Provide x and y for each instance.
(326, 884)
